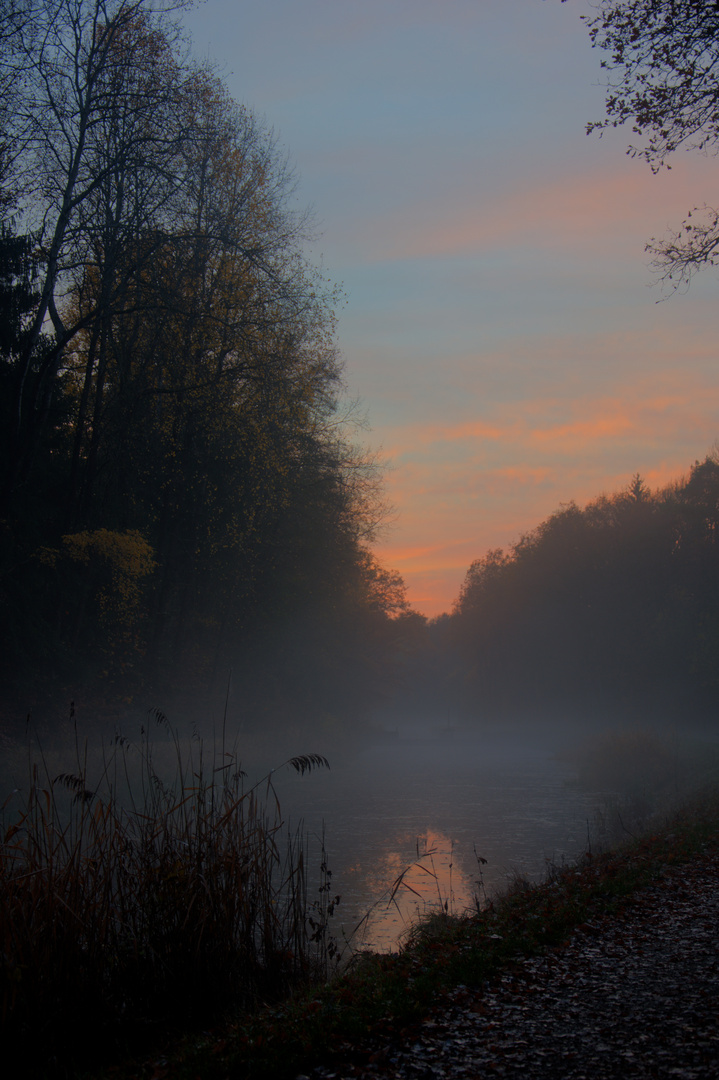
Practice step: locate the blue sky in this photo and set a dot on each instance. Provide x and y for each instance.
(501, 326)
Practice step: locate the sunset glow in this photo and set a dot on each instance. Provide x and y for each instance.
(501, 326)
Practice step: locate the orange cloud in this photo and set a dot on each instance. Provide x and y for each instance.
(475, 485)
(572, 212)
(583, 422)
(475, 429)
(523, 474)
(583, 431)
(428, 558)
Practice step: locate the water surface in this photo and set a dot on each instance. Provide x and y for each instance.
(437, 807)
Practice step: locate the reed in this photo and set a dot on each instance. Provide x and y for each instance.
(133, 900)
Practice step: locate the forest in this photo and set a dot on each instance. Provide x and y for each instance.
(183, 497)
(608, 611)
(185, 501)
(187, 519)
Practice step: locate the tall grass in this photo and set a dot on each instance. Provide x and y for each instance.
(147, 894)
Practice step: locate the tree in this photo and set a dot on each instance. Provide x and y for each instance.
(67, 74)
(177, 448)
(612, 606)
(205, 373)
(663, 60)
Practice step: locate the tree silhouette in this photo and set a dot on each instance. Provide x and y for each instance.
(661, 57)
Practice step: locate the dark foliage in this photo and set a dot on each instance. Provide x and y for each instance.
(135, 901)
(613, 607)
(181, 493)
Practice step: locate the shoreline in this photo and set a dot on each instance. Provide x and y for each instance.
(383, 994)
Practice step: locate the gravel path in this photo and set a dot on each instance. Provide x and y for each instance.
(634, 995)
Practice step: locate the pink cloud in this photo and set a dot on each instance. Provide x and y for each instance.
(581, 423)
(585, 211)
(579, 433)
(475, 485)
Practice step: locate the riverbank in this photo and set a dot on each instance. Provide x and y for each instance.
(379, 996)
(630, 996)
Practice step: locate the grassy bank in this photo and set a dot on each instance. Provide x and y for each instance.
(384, 993)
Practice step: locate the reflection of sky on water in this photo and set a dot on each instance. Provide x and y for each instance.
(511, 803)
(433, 881)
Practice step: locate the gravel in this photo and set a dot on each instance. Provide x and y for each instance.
(632, 995)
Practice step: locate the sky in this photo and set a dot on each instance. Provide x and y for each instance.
(502, 326)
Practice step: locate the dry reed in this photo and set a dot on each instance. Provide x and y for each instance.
(132, 901)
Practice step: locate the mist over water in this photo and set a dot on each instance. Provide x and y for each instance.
(435, 804)
(456, 814)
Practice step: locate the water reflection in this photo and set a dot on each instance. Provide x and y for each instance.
(514, 804)
(433, 881)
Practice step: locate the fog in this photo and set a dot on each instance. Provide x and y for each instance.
(431, 805)
(411, 818)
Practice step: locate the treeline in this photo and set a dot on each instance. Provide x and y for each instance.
(181, 495)
(611, 609)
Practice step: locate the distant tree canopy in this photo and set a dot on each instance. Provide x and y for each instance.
(610, 608)
(180, 489)
(662, 57)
